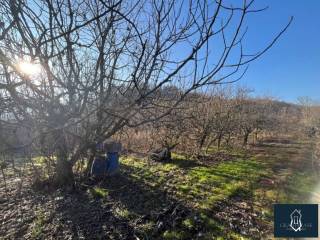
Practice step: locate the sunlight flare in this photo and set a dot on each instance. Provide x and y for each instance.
(29, 68)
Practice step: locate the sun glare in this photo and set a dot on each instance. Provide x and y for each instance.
(29, 68)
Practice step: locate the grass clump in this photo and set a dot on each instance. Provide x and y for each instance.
(98, 192)
(122, 213)
(38, 225)
(174, 235)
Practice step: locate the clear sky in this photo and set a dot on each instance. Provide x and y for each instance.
(292, 67)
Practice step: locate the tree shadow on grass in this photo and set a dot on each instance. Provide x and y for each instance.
(81, 217)
(135, 193)
(141, 202)
(127, 203)
(154, 204)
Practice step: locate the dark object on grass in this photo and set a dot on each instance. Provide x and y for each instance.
(161, 155)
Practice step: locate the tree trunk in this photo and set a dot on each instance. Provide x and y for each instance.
(228, 139)
(64, 173)
(219, 141)
(201, 143)
(90, 161)
(210, 142)
(255, 137)
(245, 139)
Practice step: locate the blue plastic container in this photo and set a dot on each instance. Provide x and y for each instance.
(99, 167)
(112, 163)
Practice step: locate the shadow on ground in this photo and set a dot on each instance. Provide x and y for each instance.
(137, 204)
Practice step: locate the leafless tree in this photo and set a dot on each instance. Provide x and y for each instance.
(106, 64)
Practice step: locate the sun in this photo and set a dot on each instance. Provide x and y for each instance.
(29, 68)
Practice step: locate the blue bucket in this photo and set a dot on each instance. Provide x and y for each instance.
(99, 167)
(112, 163)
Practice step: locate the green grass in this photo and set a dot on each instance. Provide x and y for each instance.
(210, 229)
(98, 192)
(198, 186)
(122, 213)
(38, 225)
(203, 187)
(300, 185)
(174, 234)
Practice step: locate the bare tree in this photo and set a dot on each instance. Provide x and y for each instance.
(105, 64)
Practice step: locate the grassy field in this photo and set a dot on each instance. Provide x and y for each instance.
(226, 195)
(227, 199)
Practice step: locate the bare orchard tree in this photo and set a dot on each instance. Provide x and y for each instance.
(104, 64)
(222, 116)
(310, 112)
(254, 116)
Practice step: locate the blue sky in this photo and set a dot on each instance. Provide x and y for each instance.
(292, 67)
